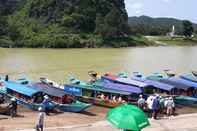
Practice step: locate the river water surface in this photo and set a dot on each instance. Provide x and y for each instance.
(58, 64)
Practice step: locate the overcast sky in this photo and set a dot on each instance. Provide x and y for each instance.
(182, 9)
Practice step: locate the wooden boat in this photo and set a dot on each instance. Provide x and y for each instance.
(92, 92)
(64, 101)
(26, 97)
(186, 101)
(31, 97)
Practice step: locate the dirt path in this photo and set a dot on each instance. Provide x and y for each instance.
(28, 118)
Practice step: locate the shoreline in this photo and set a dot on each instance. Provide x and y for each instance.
(156, 125)
(27, 119)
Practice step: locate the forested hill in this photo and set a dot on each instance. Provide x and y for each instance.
(156, 26)
(62, 23)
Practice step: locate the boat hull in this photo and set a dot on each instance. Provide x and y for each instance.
(73, 107)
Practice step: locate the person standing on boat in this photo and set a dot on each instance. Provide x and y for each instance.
(13, 107)
(40, 122)
(141, 102)
(46, 104)
(155, 107)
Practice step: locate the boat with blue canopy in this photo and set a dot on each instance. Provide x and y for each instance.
(92, 92)
(64, 101)
(126, 81)
(27, 97)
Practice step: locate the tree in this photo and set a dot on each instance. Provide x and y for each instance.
(3, 25)
(115, 24)
(99, 22)
(187, 28)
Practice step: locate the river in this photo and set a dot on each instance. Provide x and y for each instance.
(58, 64)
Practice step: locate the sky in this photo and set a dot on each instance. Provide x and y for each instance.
(181, 9)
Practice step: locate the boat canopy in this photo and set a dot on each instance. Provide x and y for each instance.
(126, 81)
(47, 89)
(186, 82)
(189, 77)
(176, 84)
(121, 87)
(77, 89)
(22, 89)
(156, 84)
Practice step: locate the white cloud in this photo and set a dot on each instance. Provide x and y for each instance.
(134, 7)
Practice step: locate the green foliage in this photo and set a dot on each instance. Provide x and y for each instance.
(3, 25)
(155, 26)
(65, 24)
(187, 28)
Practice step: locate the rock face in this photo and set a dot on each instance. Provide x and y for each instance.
(37, 21)
(80, 14)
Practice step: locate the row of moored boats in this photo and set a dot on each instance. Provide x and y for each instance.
(108, 90)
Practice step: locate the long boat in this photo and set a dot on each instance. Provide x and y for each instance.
(26, 97)
(64, 101)
(91, 92)
(31, 96)
(185, 90)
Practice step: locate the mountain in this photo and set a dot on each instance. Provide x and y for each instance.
(155, 26)
(61, 23)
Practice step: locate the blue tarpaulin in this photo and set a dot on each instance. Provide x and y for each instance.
(186, 82)
(176, 84)
(121, 87)
(22, 89)
(155, 84)
(48, 89)
(125, 81)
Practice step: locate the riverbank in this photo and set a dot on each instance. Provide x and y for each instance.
(54, 122)
(76, 41)
(173, 41)
(180, 123)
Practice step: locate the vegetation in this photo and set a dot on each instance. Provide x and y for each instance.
(187, 28)
(65, 24)
(157, 26)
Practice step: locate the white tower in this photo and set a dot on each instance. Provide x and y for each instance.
(173, 31)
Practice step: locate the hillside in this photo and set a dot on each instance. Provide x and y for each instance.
(155, 26)
(64, 23)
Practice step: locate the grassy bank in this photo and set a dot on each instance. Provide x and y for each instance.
(166, 40)
(75, 41)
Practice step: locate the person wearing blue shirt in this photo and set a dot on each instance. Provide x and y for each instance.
(46, 104)
(155, 107)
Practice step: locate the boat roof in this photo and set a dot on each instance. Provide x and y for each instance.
(176, 84)
(121, 87)
(22, 89)
(156, 84)
(48, 89)
(96, 88)
(127, 81)
(189, 77)
(186, 82)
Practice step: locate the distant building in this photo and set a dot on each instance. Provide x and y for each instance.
(172, 33)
